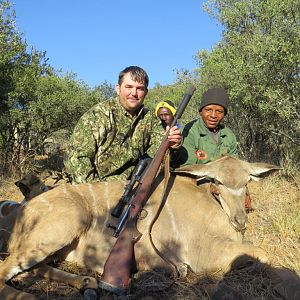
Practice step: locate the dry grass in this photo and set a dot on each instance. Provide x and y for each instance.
(8, 190)
(274, 225)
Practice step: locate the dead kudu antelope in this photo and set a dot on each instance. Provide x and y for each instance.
(30, 186)
(193, 229)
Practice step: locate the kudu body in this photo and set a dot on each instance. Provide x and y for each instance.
(194, 229)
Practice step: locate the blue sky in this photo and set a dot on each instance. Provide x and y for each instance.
(96, 39)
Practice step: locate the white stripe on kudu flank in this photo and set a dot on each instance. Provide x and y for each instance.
(64, 190)
(175, 230)
(106, 199)
(106, 195)
(79, 191)
(92, 192)
(93, 196)
(46, 202)
(172, 219)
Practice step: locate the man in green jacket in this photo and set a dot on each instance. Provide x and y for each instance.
(115, 134)
(206, 138)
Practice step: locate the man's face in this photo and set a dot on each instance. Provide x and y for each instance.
(131, 93)
(165, 116)
(212, 115)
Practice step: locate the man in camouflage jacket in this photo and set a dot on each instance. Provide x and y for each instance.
(113, 135)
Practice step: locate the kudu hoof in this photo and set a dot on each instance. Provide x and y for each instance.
(90, 294)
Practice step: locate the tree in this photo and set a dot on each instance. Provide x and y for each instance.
(19, 72)
(258, 61)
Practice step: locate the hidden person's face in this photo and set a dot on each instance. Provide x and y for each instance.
(165, 115)
(131, 93)
(212, 115)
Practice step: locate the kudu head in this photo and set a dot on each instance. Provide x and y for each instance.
(230, 176)
(31, 186)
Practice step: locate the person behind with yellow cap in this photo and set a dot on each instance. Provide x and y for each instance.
(165, 111)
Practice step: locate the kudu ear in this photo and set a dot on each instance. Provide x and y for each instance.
(199, 171)
(25, 184)
(258, 171)
(23, 188)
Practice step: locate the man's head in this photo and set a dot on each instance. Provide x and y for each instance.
(165, 111)
(213, 107)
(132, 88)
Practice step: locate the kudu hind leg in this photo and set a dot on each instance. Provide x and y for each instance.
(228, 255)
(8, 269)
(9, 293)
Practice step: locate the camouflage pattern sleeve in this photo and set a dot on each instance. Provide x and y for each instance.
(82, 147)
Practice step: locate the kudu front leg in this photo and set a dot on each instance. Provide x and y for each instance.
(77, 281)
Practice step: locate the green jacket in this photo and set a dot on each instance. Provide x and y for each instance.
(107, 142)
(199, 146)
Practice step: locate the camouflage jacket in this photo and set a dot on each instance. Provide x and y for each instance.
(107, 142)
(200, 147)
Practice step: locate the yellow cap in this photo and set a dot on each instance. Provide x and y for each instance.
(166, 104)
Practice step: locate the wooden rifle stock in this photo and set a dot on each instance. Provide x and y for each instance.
(117, 268)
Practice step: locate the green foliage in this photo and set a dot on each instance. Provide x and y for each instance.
(258, 61)
(20, 71)
(60, 102)
(175, 94)
(34, 100)
(105, 90)
(11, 49)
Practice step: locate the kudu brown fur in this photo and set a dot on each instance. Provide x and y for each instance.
(193, 229)
(30, 186)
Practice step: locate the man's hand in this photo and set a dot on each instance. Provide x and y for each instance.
(174, 137)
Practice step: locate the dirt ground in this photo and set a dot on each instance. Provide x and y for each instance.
(274, 225)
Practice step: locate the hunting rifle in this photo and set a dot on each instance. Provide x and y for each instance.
(117, 268)
(127, 195)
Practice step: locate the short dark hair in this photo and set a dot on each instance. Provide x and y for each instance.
(138, 74)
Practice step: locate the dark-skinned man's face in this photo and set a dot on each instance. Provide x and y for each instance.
(165, 115)
(212, 115)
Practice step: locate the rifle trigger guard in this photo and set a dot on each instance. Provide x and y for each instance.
(143, 214)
